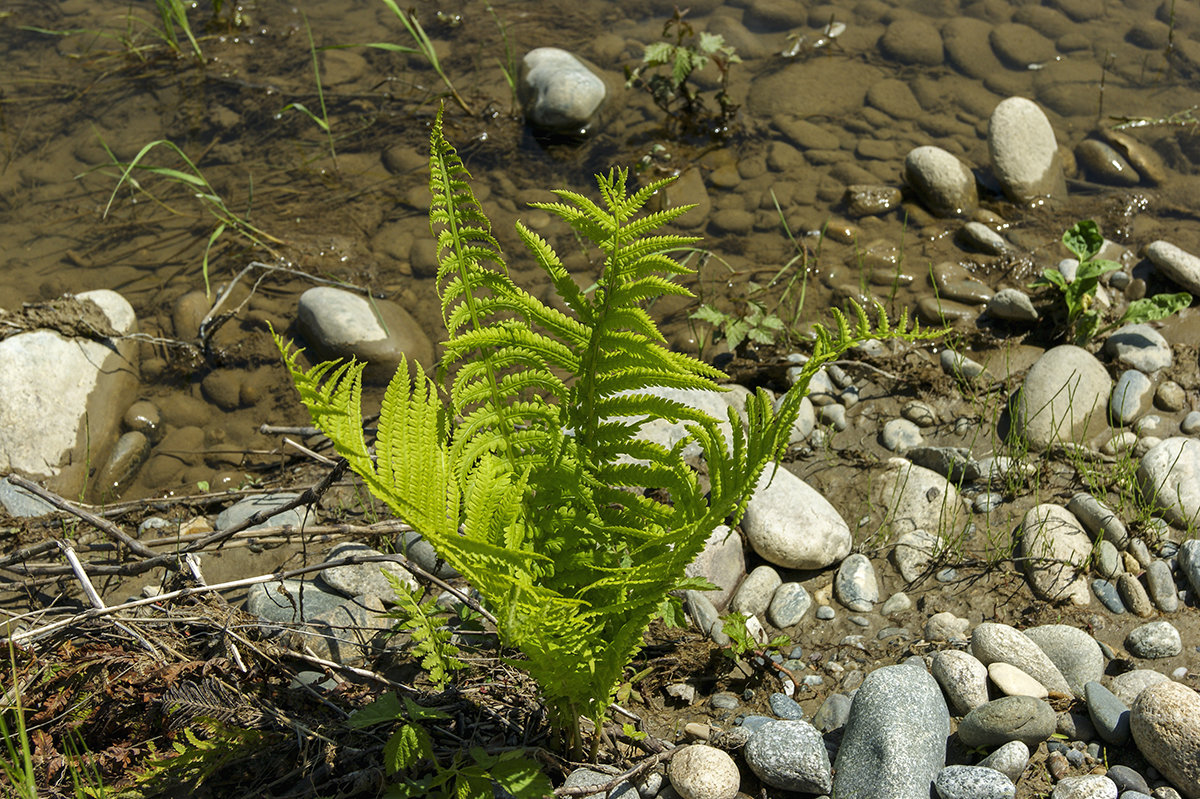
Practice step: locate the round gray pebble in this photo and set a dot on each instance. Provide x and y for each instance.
(1158, 639)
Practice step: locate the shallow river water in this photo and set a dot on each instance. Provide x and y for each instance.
(87, 83)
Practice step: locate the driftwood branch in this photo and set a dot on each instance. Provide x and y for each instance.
(104, 525)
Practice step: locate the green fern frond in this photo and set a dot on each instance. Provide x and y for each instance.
(432, 646)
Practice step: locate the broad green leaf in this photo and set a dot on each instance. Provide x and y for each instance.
(1160, 306)
(1095, 267)
(409, 745)
(657, 54)
(385, 707)
(707, 313)
(1083, 239)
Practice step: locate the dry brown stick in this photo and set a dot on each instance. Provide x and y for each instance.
(104, 525)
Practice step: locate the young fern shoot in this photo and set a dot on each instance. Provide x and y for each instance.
(540, 492)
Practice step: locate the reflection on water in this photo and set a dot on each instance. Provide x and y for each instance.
(88, 82)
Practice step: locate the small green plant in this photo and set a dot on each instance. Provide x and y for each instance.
(424, 47)
(431, 641)
(756, 324)
(173, 13)
(409, 757)
(195, 182)
(668, 65)
(322, 121)
(742, 642)
(1085, 241)
(533, 482)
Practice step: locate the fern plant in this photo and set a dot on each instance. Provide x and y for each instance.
(432, 646)
(532, 480)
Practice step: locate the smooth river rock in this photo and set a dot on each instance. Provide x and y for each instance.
(1065, 391)
(1009, 718)
(1024, 152)
(944, 184)
(991, 643)
(1057, 548)
(790, 755)
(1165, 722)
(789, 524)
(890, 755)
(703, 772)
(558, 92)
(63, 398)
(914, 498)
(1175, 264)
(1169, 477)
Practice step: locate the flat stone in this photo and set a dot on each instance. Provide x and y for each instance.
(264, 503)
(1076, 654)
(889, 755)
(1176, 265)
(1106, 592)
(1169, 475)
(855, 584)
(1158, 639)
(791, 525)
(290, 601)
(1134, 596)
(1013, 682)
(1104, 164)
(1010, 718)
(1065, 390)
(900, 435)
(722, 562)
(1165, 722)
(993, 643)
(785, 707)
(973, 782)
(1139, 347)
(1024, 152)
(962, 677)
(913, 40)
(916, 498)
(790, 755)
(1109, 714)
(1057, 548)
(1091, 786)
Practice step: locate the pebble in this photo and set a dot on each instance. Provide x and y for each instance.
(1012, 305)
(1091, 786)
(1013, 682)
(1175, 264)
(833, 415)
(1024, 152)
(1127, 686)
(889, 754)
(1170, 396)
(1119, 443)
(980, 237)
(754, 595)
(946, 626)
(987, 501)
(1126, 779)
(365, 579)
(785, 707)
(1106, 592)
(1134, 596)
(1161, 586)
(704, 772)
(973, 782)
(245, 508)
(1143, 158)
(1189, 562)
(1062, 390)
(791, 756)
(855, 584)
(1009, 718)
(1158, 639)
(954, 463)
(917, 498)
(913, 40)
(1165, 722)
(833, 713)
(1140, 552)
(896, 603)
(1010, 760)
(1099, 520)
(342, 324)
(1131, 397)
(900, 435)
(991, 643)
(1170, 475)
(922, 414)
(868, 200)
(558, 92)
(944, 184)
(962, 677)
(722, 562)
(1108, 713)
(724, 701)
(825, 613)
(790, 524)
(957, 365)
(1108, 560)
(1140, 347)
(789, 604)
(914, 552)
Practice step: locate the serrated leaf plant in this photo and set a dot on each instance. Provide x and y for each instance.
(1085, 241)
(526, 472)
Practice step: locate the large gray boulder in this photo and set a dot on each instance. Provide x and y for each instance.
(61, 398)
(890, 755)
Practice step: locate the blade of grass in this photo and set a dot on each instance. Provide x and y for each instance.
(423, 41)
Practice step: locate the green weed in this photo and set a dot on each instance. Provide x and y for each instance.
(322, 121)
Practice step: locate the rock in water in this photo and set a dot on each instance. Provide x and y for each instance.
(1176, 264)
(1064, 391)
(1169, 475)
(341, 324)
(890, 755)
(1165, 722)
(558, 92)
(54, 387)
(942, 182)
(1024, 152)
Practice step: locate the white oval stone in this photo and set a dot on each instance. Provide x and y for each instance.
(703, 772)
(789, 524)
